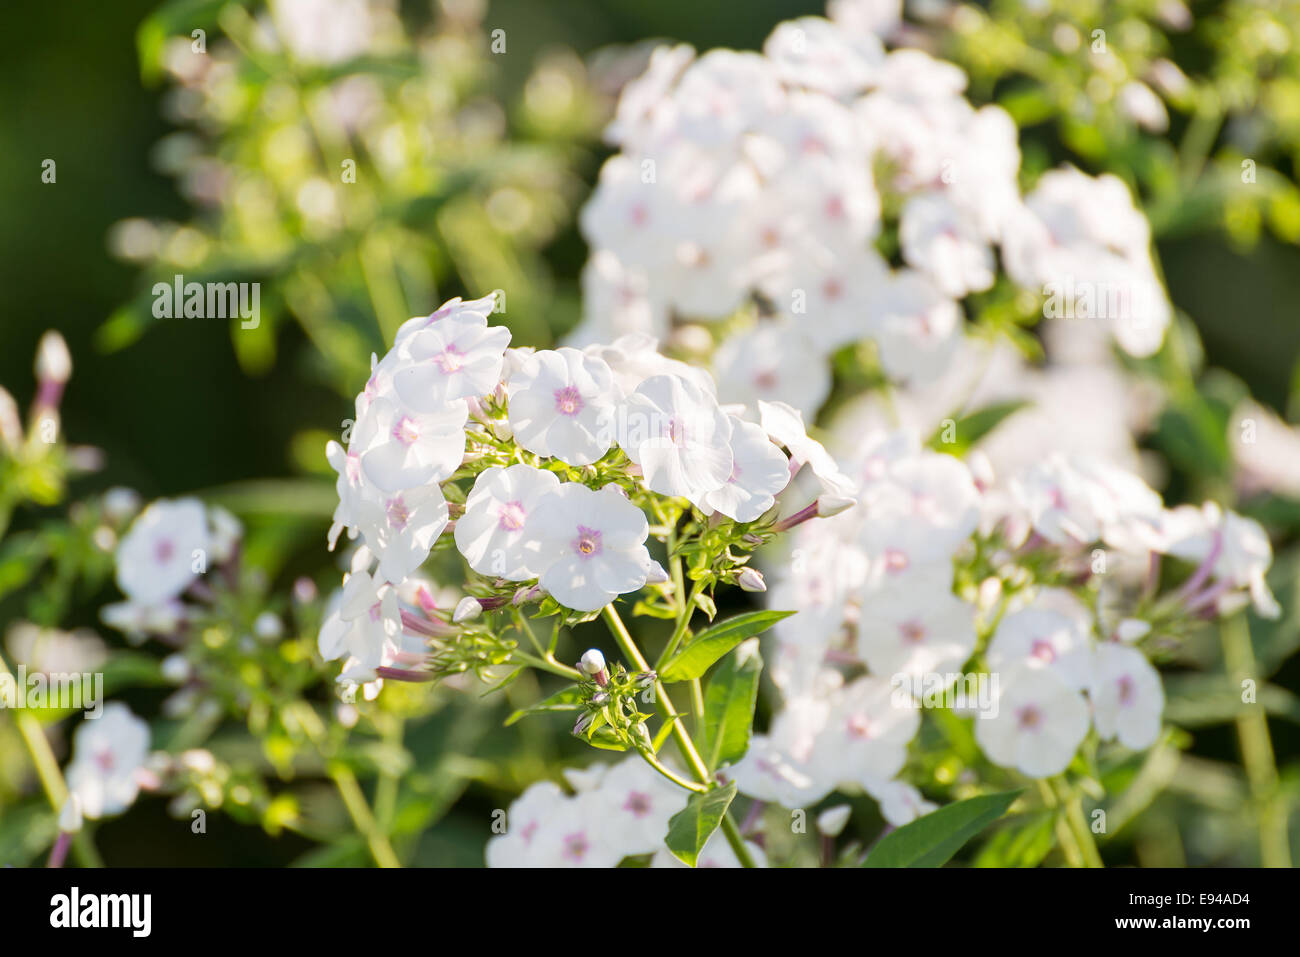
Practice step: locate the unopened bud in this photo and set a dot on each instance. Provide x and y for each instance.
(53, 363)
(527, 593)
(641, 736)
(11, 423)
(1133, 629)
(831, 821)
(304, 590)
(751, 579)
(593, 663)
(828, 505)
(70, 816)
(467, 609)
(268, 626)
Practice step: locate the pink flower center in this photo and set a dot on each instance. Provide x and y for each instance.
(1127, 691)
(406, 431)
(511, 517)
(638, 803)
(105, 759)
(568, 401)
(833, 289)
(587, 543)
(1029, 718)
(576, 846)
(1043, 650)
(912, 631)
(164, 550)
(895, 560)
(398, 513)
(860, 726)
(376, 611)
(835, 207)
(449, 360)
(767, 379)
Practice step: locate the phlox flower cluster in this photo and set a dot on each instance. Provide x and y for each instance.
(1041, 580)
(766, 184)
(165, 552)
(561, 446)
(616, 811)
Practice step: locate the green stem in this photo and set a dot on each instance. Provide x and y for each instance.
(386, 791)
(1078, 825)
(1257, 748)
(669, 773)
(682, 737)
(354, 799)
(47, 769)
(680, 734)
(737, 842)
(683, 619)
(549, 664)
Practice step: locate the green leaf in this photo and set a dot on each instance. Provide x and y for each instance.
(956, 436)
(1024, 845)
(729, 705)
(691, 827)
(566, 699)
(931, 840)
(712, 643)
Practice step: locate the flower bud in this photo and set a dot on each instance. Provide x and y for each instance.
(467, 609)
(70, 816)
(53, 368)
(1133, 629)
(176, 668)
(526, 593)
(593, 663)
(11, 423)
(641, 737)
(53, 363)
(304, 590)
(750, 579)
(831, 821)
(268, 626)
(829, 504)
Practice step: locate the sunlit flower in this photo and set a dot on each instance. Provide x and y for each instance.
(590, 546)
(1039, 723)
(400, 449)
(109, 753)
(1127, 697)
(494, 534)
(678, 435)
(562, 404)
(164, 550)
